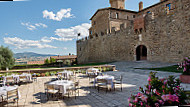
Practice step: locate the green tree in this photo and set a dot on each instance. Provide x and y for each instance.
(52, 60)
(6, 58)
(47, 61)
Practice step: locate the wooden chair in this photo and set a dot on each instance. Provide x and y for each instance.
(10, 79)
(75, 88)
(34, 77)
(118, 82)
(12, 95)
(92, 76)
(51, 90)
(22, 78)
(102, 83)
(1, 103)
(59, 76)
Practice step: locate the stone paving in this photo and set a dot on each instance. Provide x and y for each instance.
(32, 94)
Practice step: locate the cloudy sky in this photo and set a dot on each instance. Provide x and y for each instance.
(49, 26)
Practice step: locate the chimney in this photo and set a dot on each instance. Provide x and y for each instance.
(140, 6)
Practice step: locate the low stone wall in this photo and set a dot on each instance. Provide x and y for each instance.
(111, 67)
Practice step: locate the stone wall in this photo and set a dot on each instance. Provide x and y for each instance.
(166, 36)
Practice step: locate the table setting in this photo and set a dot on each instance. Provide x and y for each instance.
(62, 85)
(5, 89)
(109, 78)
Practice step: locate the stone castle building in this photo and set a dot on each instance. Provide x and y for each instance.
(160, 32)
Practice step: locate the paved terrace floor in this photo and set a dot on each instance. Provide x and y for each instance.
(32, 94)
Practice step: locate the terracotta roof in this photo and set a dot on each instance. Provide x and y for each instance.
(35, 62)
(64, 57)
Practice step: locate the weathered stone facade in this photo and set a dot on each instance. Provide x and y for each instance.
(157, 33)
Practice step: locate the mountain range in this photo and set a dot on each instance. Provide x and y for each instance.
(31, 54)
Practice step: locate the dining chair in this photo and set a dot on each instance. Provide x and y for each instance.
(34, 77)
(12, 95)
(1, 103)
(22, 78)
(102, 83)
(60, 76)
(92, 76)
(10, 79)
(51, 90)
(74, 88)
(118, 82)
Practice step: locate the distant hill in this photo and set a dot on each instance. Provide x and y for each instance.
(30, 54)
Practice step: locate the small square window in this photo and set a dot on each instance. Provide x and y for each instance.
(168, 6)
(133, 16)
(148, 12)
(117, 16)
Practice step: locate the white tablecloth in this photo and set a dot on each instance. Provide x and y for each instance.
(5, 89)
(92, 70)
(16, 78)
(65, 74)
(62, 85)
(109, 79)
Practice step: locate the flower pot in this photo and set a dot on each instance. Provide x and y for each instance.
(185, 78)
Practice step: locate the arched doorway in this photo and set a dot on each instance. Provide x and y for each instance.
(141, 53)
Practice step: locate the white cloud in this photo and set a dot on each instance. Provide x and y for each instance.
(68, 34)
(23, 44)
(34, 26)
(46, 39)
(63, 13)
(65, 48)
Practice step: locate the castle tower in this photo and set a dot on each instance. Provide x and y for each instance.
(119, 4)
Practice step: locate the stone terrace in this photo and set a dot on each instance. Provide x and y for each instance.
(32, 95)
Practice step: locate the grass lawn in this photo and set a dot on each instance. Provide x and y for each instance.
(167, 69)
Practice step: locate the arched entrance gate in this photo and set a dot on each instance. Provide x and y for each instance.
(141, 53)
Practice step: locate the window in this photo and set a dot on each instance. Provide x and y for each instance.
(96, 35)
(127, 17)
(133, 16)
(94, 22)
(90, 32)
(168, 6)
(102, 33)
(117, 16)
(80, 49)
(140, 30)
(148, 12)
(136, 31)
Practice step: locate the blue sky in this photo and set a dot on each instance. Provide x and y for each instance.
(35, 26)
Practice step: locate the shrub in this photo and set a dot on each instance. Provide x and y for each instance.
(47, 74)
(104, 69)
(6, 58)
(159, 92)
(53, 73)
(38, 74)
(185, 65)
(83, 72)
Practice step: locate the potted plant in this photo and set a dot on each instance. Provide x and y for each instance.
(185, 65)
(159, 92)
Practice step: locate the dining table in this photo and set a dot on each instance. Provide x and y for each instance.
(5, 89)
(16, 78)
(62, 85)
(65, 74)
(109, 78)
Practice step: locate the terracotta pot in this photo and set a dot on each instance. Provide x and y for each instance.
(185, 78)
